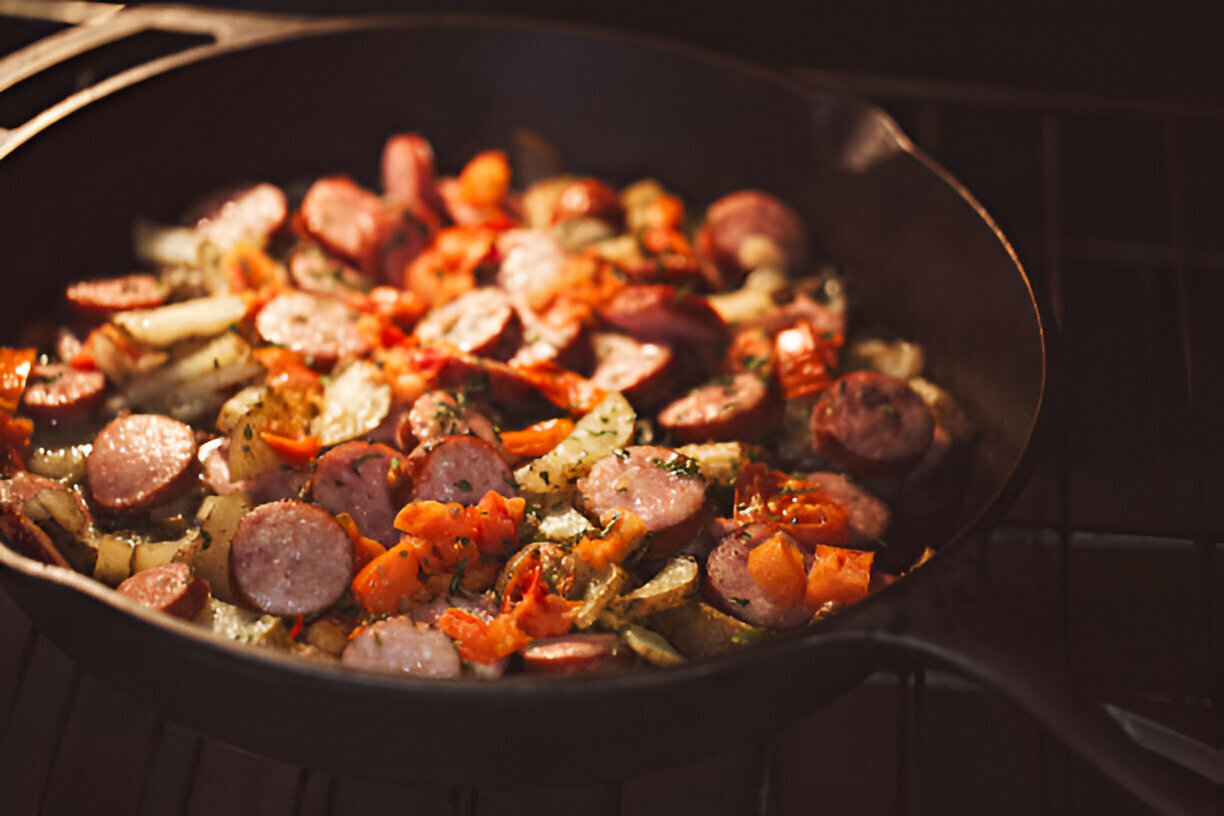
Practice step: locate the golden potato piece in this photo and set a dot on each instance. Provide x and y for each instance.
(698, 630)
(669, 587)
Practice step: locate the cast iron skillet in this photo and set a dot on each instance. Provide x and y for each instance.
(280, 99)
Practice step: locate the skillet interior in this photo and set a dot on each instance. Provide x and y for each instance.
(925, 262)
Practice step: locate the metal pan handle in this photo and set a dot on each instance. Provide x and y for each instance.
(950, 620)
(94, 25)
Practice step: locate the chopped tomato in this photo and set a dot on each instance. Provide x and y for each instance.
(804, 359)
(299, 450)
(15, 367)
(838, 574)
(565, 389)
(390, 583)
(776, 564)
(622, 533)
(365, 549)
(485, 179)
(801, 508)
(537, 439)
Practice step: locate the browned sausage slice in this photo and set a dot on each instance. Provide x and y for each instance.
(869, 515)
(320, 328)
(731, 588)
(459, 469)
(643, 372)
(579, 653)
(140, 460)
(345, 219)
(252, 213)
(57, 392)
(408, 172)
(313, 270)
(662, 313)
(290, 558)
(365, 480)
(661, 486)
(741, 408)
(169, 588)
(436, 414)
(481, 322)
(738, 224)
(872, 424)
(99, 299)
(402, 646)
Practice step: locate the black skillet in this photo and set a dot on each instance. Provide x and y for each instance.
(282, 98)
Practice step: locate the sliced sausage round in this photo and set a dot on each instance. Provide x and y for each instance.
(345, 219)
(745, 229)
(290, 558)
(589, 198)
(313, 270)
(140, 460)
(643, 372)
(400, 645)
(459, 469)
(56, 392)
(99, 299)
(438, 413)
(741, 408)
(252, 213)
(320, 328)
(169, 588)
(869, 515)
(579, 653)
(408, 171)
(365, 480)
(872, 424)
(549, 340)
(662, 313)
(660, 485)
(481, 322)
(731, 588)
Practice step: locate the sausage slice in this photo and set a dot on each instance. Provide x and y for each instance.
(400, 645)
(99, 299)
(740, 408)
(732, 588)
(661, 486)
(169, 588)
(459, 469)
(364, 480)
(579, 653)
(872, 424)
(643, 372)
(57, 392)
(140, 460)
(481, 322)
(320, 328)
(290, 558)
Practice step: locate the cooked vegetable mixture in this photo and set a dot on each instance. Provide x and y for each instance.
(475, 424)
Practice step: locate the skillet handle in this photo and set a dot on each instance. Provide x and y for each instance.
(952, 621)
(96, 24)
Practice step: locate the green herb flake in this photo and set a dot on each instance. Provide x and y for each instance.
(739, 601)
(678, 465)
(361, 460)
(207, 536)
(248, 432)
(457, 579)
(464, 485)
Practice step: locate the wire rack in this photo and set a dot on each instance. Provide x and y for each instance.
(1112, 206)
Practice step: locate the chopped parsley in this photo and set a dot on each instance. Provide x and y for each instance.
(361, 460)
(678, 466)
(464, 485)
(457, 579)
